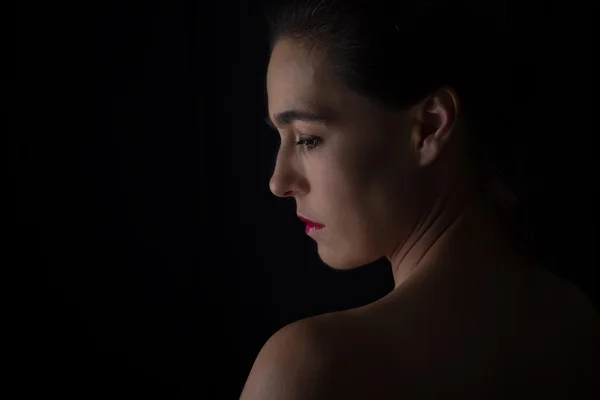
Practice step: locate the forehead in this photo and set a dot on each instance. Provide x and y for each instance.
(297, 77)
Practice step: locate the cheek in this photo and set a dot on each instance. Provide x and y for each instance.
(382, 192)
(360, 195)
(363, 204)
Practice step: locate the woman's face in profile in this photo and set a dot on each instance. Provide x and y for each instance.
(353, 170)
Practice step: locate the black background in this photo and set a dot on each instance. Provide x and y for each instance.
(152, 261)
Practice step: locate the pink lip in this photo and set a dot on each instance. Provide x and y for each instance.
(311, 226)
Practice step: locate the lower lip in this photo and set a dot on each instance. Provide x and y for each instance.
(311, 228)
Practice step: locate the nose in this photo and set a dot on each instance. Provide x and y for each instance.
(286, 180)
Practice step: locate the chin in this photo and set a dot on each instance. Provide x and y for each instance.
(342, 261)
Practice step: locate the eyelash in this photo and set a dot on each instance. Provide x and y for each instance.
(305, 143)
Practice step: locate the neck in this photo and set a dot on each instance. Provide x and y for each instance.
(457, 232)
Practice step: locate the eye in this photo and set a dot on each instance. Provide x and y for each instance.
(309, 143)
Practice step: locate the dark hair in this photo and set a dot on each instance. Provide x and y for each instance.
(386, 51)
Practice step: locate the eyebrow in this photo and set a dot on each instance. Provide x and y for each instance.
(287, 117)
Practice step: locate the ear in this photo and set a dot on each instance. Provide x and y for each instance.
(436, 116)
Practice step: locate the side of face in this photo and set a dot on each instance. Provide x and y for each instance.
(361, 177)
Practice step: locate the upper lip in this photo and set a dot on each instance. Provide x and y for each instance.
(307, 220)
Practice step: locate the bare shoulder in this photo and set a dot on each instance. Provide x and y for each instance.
(549, 332)
(569, 304)
(296, 363)
(571, 333)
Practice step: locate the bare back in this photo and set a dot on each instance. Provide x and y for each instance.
(534, 334)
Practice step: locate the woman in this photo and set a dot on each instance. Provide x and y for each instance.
(385, 118)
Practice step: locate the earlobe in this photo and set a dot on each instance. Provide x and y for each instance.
(429, 151)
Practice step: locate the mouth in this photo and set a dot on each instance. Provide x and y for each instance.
(311, 226)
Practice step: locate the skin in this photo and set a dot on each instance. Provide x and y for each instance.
(470, 314)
